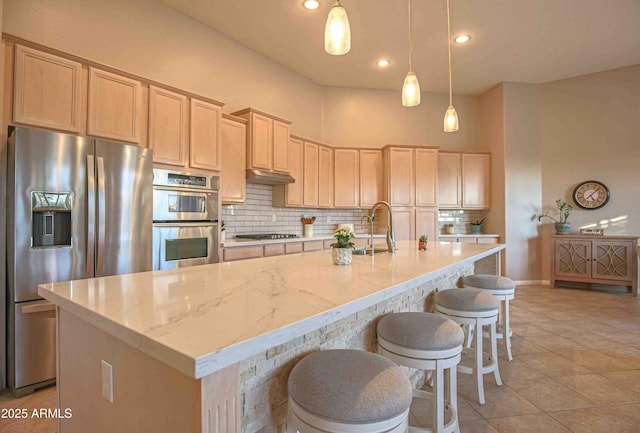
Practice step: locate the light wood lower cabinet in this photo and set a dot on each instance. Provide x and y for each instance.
(273, 250)
(588, 259)
(232, 160)
(241, 253)
(47, 90)
(313, 246)
(114, 106)
(168, 126)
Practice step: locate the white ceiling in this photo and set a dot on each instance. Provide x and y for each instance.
(530, 41)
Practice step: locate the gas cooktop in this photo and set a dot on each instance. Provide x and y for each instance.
(267, 236)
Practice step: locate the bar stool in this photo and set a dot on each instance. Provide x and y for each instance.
(502, 288)
(474, 308)
(428, 342)
(348, 391)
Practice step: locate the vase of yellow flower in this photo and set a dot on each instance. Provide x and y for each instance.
(342, 249)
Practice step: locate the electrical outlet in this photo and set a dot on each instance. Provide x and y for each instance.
(107, 381)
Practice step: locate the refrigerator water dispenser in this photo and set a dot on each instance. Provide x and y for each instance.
(51, 219)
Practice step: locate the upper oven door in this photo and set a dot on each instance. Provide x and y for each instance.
(171, 204)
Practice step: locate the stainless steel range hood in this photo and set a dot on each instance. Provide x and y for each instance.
(266, 177)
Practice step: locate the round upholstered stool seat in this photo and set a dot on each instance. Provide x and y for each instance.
(502, 288)
(474, 308)
(348, 391)
(429, 342)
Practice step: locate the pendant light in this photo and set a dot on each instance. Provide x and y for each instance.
(337, 34)
(411, 87)
(450, 117)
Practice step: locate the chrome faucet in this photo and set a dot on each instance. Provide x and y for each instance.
(391, 241)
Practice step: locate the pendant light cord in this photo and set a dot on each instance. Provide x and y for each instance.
(410, 40)
(449, 45)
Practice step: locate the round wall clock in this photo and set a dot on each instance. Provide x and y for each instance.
(591, 195)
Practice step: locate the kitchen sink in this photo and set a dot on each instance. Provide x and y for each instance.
(367, 251)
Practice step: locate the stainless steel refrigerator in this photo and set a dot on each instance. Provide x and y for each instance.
(77, 207)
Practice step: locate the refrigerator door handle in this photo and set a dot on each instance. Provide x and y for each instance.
(100, 222)
(39, 307)
(91, 215)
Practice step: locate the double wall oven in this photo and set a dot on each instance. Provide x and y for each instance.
(186, 209)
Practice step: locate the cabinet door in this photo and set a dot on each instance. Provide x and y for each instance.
(404, 223)
(232, 162)
(295, 191)
(114, 106)
(325, 176)
(476, 181)
(613, 260)
(427, 222)
(168, 117)
(371, 177)
(426, 177)
(46, 90)
(310, 175)
(261, 142)
(204, 137)
(280, 146)
(347, 174)
(572, 258)
(401, 183)
(449, 181)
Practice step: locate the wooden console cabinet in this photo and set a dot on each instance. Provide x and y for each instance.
(590, 259)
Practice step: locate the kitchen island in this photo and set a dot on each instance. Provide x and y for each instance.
(209, 348)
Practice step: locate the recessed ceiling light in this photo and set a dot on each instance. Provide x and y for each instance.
(311, 4)
(462, 39)
(383, 63)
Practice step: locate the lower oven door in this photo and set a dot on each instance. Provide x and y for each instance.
(178, 245)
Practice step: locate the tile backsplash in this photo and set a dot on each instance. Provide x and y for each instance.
(462, 219)
(257, 215)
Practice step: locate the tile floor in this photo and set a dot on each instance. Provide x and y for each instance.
(576, 369)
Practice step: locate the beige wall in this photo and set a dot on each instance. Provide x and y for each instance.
(590, 129)
(374, 118)
(148, 39)
(522, 180)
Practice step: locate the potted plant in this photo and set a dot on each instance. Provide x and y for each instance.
(342, 249)
(476, 227)
(563, 226)
(422, 242)
(449, 228)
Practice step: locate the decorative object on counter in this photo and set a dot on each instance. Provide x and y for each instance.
(337, 33)
(342, 249)
(449, 229)
(591, 195)
(422, 242)
(451, 116)
(308, 226)
(563, 226)
(592, 232)
(476, 227)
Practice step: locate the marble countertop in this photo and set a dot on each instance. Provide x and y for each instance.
(233, 242)
(469, 235)
(204, 318)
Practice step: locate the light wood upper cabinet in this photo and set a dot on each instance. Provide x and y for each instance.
(310, 175)
(399, 173)
(281, 135)
(232, 161)
(476, 181)
(204, 137)
(268, 141)
(46, 90)
(325, 176)
(370, 177)
(347, 177)
(291, 194)
(114, 106)
(426, 177)
(449, 181)
(168, 120)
